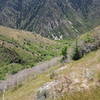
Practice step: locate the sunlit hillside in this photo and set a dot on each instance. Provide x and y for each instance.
(20, 50)
(83, 77)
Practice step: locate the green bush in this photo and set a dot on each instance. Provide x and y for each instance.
(64, 53)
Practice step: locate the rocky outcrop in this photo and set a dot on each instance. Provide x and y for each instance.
(73, 82)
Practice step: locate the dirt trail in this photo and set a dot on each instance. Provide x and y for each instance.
(22, 75)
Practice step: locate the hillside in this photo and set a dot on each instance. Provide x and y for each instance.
(49, 49)
(51, 18)
(28, 89)
(20, 50)
(76, 80)
(84, 44)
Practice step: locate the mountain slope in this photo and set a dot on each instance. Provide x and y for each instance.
(84, 44)
(20, 50)
(51, 18)
(84, 74)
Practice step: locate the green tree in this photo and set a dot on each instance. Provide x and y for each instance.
(76, 52)
(64, 53)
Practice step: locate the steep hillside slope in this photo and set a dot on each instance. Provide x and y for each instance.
(20, 50)
(51, 18)
(73, 71)
(79, 80)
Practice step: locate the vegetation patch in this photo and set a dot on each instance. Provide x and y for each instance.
(20, 50)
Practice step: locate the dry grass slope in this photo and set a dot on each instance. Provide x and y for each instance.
(27, 91)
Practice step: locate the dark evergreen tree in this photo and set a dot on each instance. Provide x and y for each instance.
(76, 53)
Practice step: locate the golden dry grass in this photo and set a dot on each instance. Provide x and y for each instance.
(21, 35)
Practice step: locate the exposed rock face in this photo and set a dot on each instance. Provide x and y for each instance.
(47, 91)
(51, 18)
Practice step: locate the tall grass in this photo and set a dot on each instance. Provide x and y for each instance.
(93, 94)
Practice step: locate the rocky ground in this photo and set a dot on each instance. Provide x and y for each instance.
(75, 79)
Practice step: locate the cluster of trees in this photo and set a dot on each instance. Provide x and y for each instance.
(75, 53)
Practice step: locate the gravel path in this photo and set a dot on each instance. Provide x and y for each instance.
(22, 75)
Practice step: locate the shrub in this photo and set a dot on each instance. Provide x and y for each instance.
(89, 39)
(64, 53)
